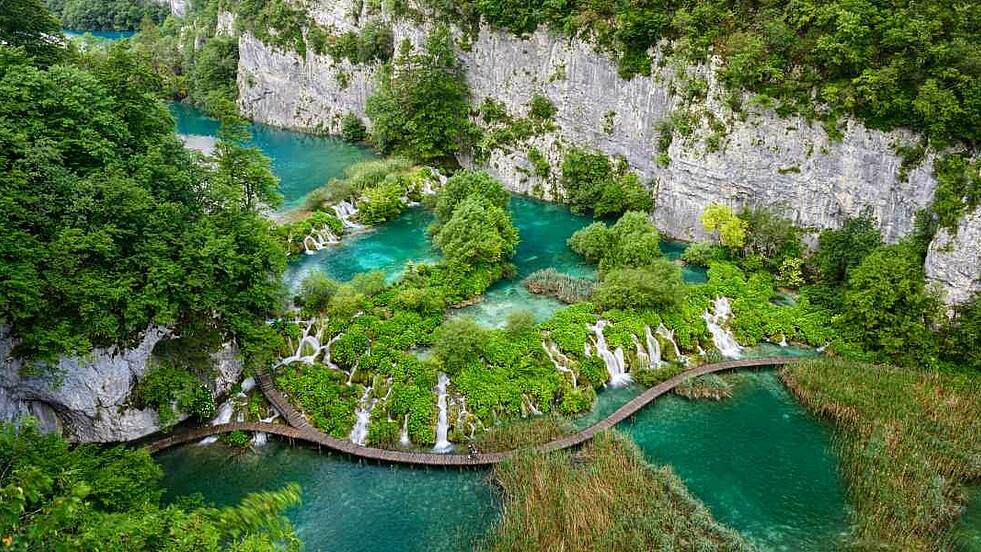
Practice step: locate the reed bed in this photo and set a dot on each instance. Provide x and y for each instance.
(565, 288)
(710, 386)
(523, 433)
(908, 443)
(604, 497)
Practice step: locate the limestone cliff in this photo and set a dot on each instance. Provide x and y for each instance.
(89, 399)
(756, 157)
(954, 260)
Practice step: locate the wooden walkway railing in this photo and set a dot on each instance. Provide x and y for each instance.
(300, 429)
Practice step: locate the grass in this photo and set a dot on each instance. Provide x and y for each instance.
(604, 497)
(908, 443)
(711, 386)
(563, 287)
(522, 433)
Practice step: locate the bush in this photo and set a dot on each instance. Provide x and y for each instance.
(656, 286)
(352, 128)
(699, 254)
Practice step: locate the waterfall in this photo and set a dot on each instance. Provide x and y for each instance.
(653, 348)
(669, 335)
(359, 433)
(259, 439)
(248, 384)
(643, 359)
(224, 416)
(344, 211)
(614, 361)
(307, 343)
(404, 438)
(783, 340)
(529, 405)
(442, 422)
(717, 322)
(319, 238)
(560, 361)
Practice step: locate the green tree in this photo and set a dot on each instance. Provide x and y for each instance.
(479, 233)
(723, 222)
(243, 173)
(770, 236)
(28, 24)
(465, 185)
(887, 309)
(655, 286)
(457, 344)
(839, 251)
(592, 242)
(420, 107)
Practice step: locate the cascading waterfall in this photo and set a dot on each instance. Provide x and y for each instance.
(319, 238)
(653, 348)
(530, 405)
(717, 323)
(614, 360)
(783, 340)
(404, 438)
(560, 361)
(359, 433)
(224, 416)
(443, 443)
(345, 211)
(667, 334)
(643, 359)
(307, 343)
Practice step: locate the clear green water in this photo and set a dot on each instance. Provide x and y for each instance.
(104, 35)
(347, 505)
(302, 162)
(387, 248)
(969, 526)
(759, 462)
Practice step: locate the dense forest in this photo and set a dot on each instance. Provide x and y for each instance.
(102, 15)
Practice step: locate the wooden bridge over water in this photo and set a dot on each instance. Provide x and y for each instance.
(299, 428)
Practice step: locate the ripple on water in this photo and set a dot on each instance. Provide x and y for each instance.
(347, 505)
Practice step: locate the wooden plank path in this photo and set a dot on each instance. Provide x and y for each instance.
(300, 429)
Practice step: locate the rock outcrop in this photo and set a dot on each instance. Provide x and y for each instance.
(90, 399)
(954, 259)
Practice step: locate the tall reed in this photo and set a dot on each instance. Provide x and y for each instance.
(603, 497)
(563, 287)
(908, 442)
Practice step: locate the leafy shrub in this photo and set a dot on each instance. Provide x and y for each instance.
(352, 128)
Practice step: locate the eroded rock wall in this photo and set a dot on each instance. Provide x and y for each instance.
(954, 259)
(90, 399)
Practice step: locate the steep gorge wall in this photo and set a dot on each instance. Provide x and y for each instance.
(90, 398)
(762, 159)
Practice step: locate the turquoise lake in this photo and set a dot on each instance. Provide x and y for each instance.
(758, 461)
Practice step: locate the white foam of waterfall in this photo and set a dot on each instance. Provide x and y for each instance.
(248, 384)
(359, 433)
(317, 239)
(643, 359)
(345, 211)
(404, 438)
(717, 322)
(653, 348)
(260, 438)
(614, 361)
(443, 443)
(307, 344)
(560, 361)
(223, 416)
(783, 340)
(669, 336)
(530, 405)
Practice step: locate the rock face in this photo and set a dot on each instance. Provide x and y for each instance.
(89, 399)
(746, 157)
(954, 260)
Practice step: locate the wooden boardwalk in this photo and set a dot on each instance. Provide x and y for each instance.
(301, 430)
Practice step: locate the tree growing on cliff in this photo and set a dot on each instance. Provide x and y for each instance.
(421, 105)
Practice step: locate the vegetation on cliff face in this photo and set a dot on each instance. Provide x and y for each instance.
(57, 497)
(109, 223)
(897, 65)
(908, 444)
